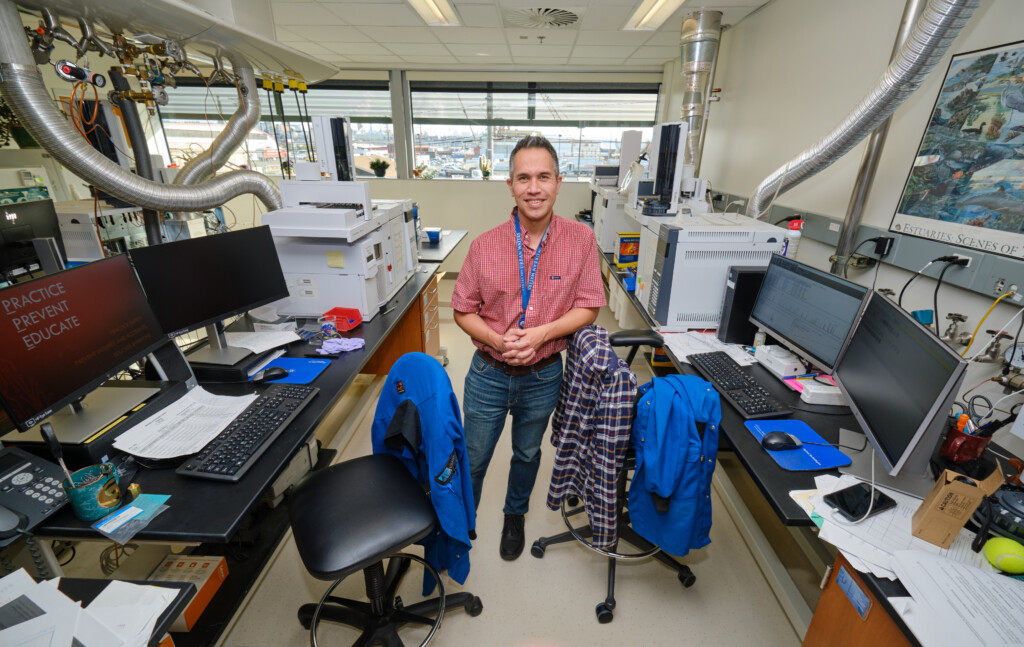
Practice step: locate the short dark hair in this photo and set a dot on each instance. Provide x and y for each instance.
(532, 141)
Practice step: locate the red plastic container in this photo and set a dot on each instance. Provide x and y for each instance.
(345, 318)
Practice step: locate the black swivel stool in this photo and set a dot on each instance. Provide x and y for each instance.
(352, 516)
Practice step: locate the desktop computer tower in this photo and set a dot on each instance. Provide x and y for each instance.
(741, 288)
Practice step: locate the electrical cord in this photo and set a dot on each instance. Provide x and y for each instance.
(935, 298)
(978, 327)
(899, 300)
(992, 409)
(871, 499)
(996, 335)
(846, 263)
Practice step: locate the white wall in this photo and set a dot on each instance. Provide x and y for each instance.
(792, 71)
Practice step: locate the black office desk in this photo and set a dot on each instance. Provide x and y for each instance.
(203, 511)
(85, 591)
(437, 252)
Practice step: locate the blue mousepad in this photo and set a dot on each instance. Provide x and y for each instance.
(300, 370)
(807, 457)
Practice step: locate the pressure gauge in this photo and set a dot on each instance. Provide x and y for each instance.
(1014, 355)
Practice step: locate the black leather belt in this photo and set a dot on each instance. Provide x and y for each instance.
(508, 369)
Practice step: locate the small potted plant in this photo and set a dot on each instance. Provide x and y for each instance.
(379, 166)
(485, 167)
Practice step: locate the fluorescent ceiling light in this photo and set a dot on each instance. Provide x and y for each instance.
(652, 14)
(436, 12)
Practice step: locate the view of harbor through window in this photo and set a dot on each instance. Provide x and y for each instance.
(453, 130)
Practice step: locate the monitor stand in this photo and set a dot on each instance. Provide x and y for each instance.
(917, 485)
(78, 423)
(217, 350)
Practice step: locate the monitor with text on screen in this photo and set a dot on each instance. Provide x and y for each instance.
(809, 311)
(900, 381)
(202, 281)
(65, 334)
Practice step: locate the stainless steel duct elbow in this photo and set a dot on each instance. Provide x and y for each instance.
(245, 118)
(933, 34)
(22, 86)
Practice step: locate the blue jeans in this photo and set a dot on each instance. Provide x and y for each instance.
(489, 397)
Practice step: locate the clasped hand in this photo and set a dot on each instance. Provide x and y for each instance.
(520, 346)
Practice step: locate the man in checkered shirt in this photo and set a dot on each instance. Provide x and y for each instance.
(517, 368)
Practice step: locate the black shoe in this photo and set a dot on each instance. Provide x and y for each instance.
(513, 537)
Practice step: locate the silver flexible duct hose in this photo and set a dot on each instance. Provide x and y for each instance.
(22, 86)
(246, 117)
(933, 34)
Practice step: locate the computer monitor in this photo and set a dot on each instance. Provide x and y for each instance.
(900, 381)
(65, 334)
(808, 311)
(202, 281)
(20, 225)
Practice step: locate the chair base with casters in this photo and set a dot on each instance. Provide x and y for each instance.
(633, 339)
(353, 516)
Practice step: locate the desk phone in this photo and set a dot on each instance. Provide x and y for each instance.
(30, 490)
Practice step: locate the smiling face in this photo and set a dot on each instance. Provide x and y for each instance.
(534, 184)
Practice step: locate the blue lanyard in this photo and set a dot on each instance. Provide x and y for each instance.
(527, 287)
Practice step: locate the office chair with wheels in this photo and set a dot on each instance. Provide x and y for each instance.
(604, 610)
(353, 516)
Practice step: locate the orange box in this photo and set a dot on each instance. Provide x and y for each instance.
(207, 573)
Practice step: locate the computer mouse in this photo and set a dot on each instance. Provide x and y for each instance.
(270, 374)
(778, 440)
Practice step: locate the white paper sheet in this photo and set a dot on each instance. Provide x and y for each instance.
(260, 342)
(685, 344)
(41, 615)
(972, 607)
(146, 604)
(15, 584)
(183, 427)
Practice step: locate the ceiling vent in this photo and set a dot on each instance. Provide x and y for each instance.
(542, 18)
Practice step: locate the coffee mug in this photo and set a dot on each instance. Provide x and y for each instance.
(93, 491)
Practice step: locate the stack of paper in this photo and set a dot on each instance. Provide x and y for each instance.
(685, 344)
(123, 615)
(869, 546)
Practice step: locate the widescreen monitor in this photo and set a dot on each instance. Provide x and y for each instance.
(20, 224)
(900, 381)
(196, 282)
(65, 334)
(809, 311)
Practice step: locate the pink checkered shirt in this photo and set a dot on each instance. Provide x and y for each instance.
(568, 276)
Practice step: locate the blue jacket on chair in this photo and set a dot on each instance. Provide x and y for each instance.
(670, 496)
(418, 420)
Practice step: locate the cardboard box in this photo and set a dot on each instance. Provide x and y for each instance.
(207, 573)
(950, 504)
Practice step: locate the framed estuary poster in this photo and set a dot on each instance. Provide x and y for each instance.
(966, 185)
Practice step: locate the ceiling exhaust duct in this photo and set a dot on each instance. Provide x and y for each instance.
(698, 53)
(934, 32)
(22, 85)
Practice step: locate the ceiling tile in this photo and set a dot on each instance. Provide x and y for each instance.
(611, 62)
(602, 52)
(663, 53)
(367, 13)
(665, 36)
(479, 15)
(610, 18)
(400, 34)
(539, 62)
(431, 60)
(304, 13)
(468, 34)
(376, 59)
(355, 49)
(478, 61)
(327, 34)
(313, 49)
(636, 60)
(283, 35)
(492, 49)
(540, 51)
(551, 36)
(426, 49)
(633, 38)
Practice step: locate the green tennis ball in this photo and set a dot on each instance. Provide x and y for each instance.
(1005, 554)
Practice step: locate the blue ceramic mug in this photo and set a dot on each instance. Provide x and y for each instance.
(93, 491)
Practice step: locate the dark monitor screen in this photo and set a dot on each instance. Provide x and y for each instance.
(196, 282)
(809, 311)
(899, 380)
(65, 334)
(20, 223)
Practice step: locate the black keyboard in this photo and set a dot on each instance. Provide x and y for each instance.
(230, 455)
(737, 387)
